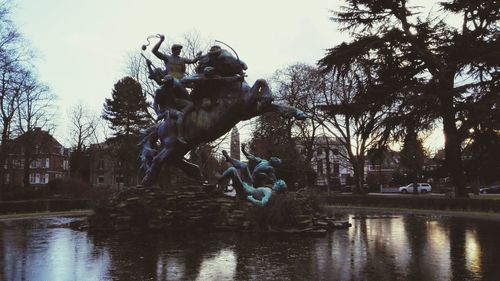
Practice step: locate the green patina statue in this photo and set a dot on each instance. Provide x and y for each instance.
(244, 180)
(219, 99)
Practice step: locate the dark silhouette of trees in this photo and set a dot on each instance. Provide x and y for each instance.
(353, 112)
(25, 103)
(34, 113)
(126, 112)
(298, 85)
(455, 66)
(273, 136)
(82, 133)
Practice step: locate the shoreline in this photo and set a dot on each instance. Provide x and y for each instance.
(462, 214)
(344, 208)
(23, 216)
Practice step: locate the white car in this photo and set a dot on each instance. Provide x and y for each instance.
(421, 187)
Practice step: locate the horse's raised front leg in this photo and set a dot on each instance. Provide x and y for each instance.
(261, 90)
(286, 111)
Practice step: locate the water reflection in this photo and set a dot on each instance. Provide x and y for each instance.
(375, 248)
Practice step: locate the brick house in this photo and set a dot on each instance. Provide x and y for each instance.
(106, 170)
(48, 159)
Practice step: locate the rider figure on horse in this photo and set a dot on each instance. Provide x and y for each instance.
(171, 99)
(215, 69)
(175, 65)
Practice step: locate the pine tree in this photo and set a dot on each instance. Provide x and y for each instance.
(126, 111)
(453, 65)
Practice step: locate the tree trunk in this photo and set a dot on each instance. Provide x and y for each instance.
(3, 158)
(359, 177)
(452, 143)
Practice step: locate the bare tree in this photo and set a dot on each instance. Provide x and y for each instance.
(83, 127)
(13, 83)
(35, 112)
(15, 79)
(297, 85)
(82, 133)
(356, 123)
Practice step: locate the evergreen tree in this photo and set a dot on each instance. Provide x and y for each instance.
(456, 66)
(126, 111)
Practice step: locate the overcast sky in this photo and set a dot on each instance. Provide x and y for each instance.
(83, 46)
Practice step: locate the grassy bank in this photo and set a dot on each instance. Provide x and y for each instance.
(422, 202)
(337, 209)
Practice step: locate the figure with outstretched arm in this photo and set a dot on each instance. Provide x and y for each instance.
(242, 167)
(245, 191)
(171, 101)
(263, 172)
(155, 73)
(175, 65)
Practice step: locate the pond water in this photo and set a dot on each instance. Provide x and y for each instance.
(376, 247)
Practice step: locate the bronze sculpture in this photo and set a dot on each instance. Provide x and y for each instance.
(220, 77)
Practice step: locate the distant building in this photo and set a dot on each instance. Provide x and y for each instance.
(106, 170)
(381, 171)
(48, 159)
(235, 144)
(332, 170)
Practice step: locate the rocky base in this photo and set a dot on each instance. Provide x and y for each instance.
(195, 207)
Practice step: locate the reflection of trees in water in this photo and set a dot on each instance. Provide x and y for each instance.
(14, 245)
(167, 256)
(410, 247)
(32, 250)
(284, 257)
(487, 240)
(457, 250)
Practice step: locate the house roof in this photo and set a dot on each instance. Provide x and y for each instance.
(37, 136)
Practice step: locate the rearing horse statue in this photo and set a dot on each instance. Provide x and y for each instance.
(232, 102)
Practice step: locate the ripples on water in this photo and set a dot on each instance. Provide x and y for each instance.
(396, 247)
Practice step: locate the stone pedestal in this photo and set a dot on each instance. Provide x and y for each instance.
(186, 207)
(192, 206)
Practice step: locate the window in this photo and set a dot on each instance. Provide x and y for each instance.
(320, 167)
(46, 163)
(34, 178)
(65, 165)
(44, 178)
(119, 179)
(35, 163)
(100, 179)
(336, 168)
(101, 164)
